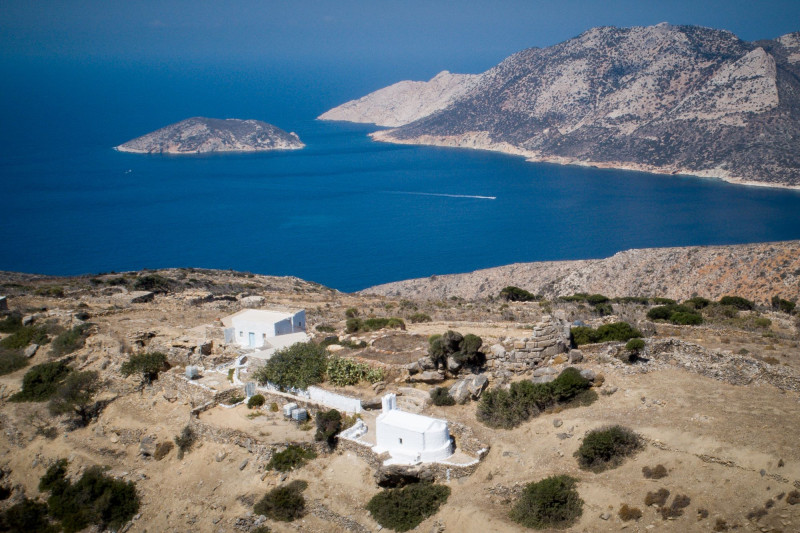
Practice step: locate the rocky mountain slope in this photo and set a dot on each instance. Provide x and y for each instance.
(199, 135)
(405, 101)
(755, 271)
(667, 99)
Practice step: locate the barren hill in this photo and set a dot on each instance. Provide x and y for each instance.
(755, 271)
(199, 135)
(664, 98)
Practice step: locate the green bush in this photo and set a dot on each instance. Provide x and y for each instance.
(342, 371)
(354, 325)
(75, 395)
(635, 345)
(351, 312)
(94, 499)
(501, 408)
(24, 336)
(54, 291)
(677, 314)
(329, 424)
(606, 448)
(441, 396)
(148, 365)
(778, 303)
(11, 323)
(616, 331)
(324, 328)
(698, 302)
(686, 319)
(405, 508)
(70, 340)
(416, 318)
(41, 382)
(185, 440)
(738, 302)
(28, 516)
(292, 457)
(550, 503)
(11, 361)
(515, 294)
(465, 349)
(284, 504)
(256, 400)
(299, 366)
(762, 322)
(153, 283)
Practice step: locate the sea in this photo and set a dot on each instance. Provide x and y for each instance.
(345, 211)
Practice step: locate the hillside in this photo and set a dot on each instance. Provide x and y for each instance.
(664, 98)
(756, 271)
(199, 135)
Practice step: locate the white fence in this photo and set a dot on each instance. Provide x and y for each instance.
(336, 401)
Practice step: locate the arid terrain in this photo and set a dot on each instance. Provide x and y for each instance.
(716, 404)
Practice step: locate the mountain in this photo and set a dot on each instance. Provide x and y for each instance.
(664, 98)
(200, 135)
(755, 271)
(405, 101)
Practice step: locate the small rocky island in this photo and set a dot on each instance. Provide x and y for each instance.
(200, 135)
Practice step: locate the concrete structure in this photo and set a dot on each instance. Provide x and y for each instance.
(255, 328)
(410, 438)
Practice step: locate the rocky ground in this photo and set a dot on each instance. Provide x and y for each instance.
(716, 403)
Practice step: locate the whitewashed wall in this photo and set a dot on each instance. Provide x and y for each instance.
(334, 401)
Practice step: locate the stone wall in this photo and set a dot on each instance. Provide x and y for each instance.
(548, 339)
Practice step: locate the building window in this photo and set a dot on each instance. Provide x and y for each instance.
(241, 333)
(401, 441)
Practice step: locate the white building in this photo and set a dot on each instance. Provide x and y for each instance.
(410, 438)
(253, 328)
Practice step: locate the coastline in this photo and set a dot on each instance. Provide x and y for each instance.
(126, 150)
(480, 141)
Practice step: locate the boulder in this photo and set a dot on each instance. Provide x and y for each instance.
(460, 391)
(547, 378)
(147, 446)
(588, 373)
(371, 403)
(428, 376)
(498, 350)
(30, 351)
(252, 301)
(192, 372)
(477, 384)
(413, 368)
(453, 366)
(27, 320)
(575, 356)
(545, 371)
(425, 363)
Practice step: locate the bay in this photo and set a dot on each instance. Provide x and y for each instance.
(344, 211)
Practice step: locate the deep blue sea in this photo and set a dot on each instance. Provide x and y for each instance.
(345, 211)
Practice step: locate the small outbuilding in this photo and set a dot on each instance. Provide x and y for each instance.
(252, 328)
(410, 438)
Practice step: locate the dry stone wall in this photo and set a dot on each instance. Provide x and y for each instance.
(548, 339)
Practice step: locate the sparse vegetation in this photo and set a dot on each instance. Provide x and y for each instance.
(70, 340)
(153, 283)
(441, 396)
(162, 450)
(607, 447)
(417, 318)
(405, 508)
(147, 365)
(24, 336)
(782, 305)
(550, 503)
(296, 366)
(284, 504)
(292, 457)
(185, 440)
(627, 513)
(501, 408)
(657, 472)
(658, 497)
(616, 331)
(355, 324)
(75, 396)
(679, 503)
(342, 371)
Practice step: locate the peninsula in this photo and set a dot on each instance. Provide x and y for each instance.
(665, 99)
(199, 135)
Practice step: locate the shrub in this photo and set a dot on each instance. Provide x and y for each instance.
(11, 323)
(342, 371)
(405, 508)
(686, 319)
(658, 472)
(441, 396)
(465, 349)
(500, 408)
(41, 382)
(329, 424)
(550, 503)
(762, 322)
(738, 302)
(11, 361)
(274, 407)
(606, 448)
(75, 395)
(635, 345)
(53, 291)
(256, 400)
(629, 513)
(147, 364)
(777, 303)
(679, 502)
(793, 498)
(324, 328)
(351, 312)
(677, 314)
(163, 449)
(70, 340)
(185, 440)
(94, 499)
(297, 366)
(698, 302)
(29, 516)
(292, 457)
(152, 282)
(515, 294)
(283, 503)
(24, 336)
(416, 318)
(616, 331)
(658, 497)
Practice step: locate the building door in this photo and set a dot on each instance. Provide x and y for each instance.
(252, 340)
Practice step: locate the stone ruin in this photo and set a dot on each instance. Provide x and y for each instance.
(548, 339)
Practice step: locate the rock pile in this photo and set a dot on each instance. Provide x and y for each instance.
(548, 339)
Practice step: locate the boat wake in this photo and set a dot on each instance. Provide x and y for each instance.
(444, 195)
